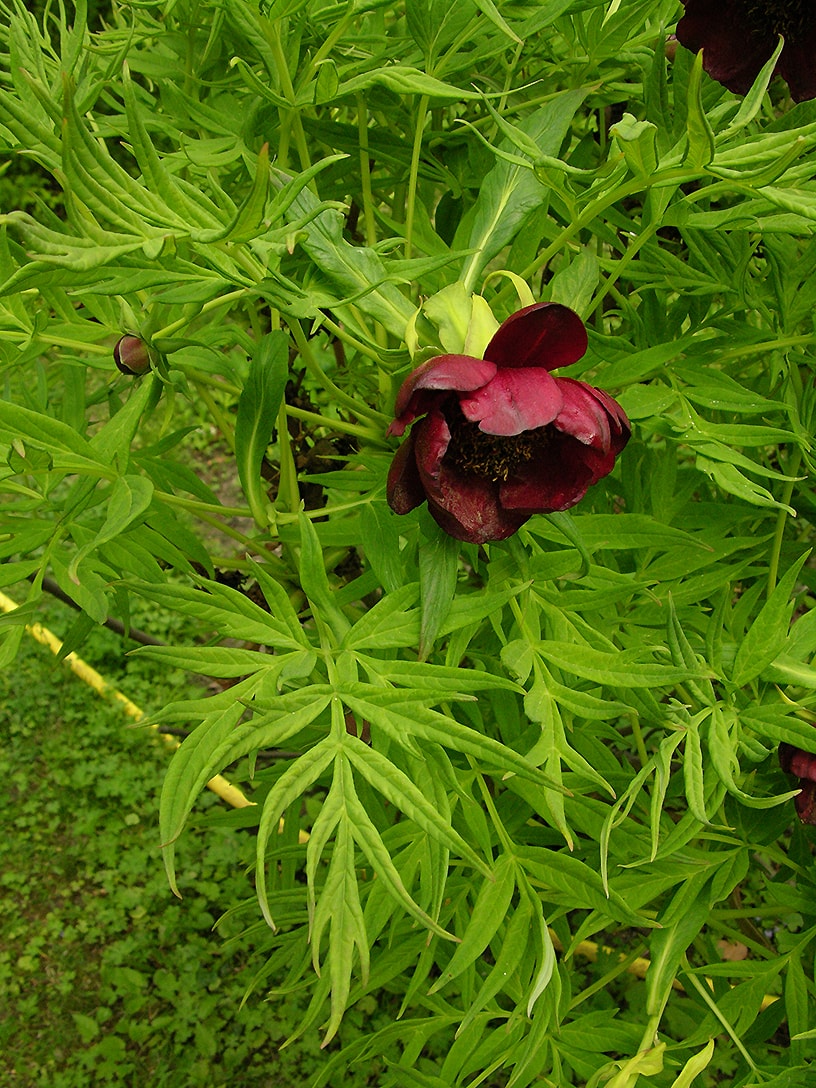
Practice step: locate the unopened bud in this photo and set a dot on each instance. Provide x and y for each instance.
(132, 356)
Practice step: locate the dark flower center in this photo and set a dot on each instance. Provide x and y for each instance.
(490, 456)
(791, 18)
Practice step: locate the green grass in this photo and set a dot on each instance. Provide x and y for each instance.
(108, 978)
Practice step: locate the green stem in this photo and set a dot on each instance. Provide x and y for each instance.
(504, 838)
(288, 497)
(705, 993)
(213, 382)
(289, 92)
(371, 437)
(347, 338)
(410, 203)
(358, 408)
(223, 562)
(781, 519)
(224, 424)
(213, 304)
(638, 735)
(65, 342)
(329, 43)
(369, 221)
(203, 509)
(674, 176)
(766, 346)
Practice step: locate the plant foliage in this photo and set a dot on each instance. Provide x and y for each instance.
(487, 756)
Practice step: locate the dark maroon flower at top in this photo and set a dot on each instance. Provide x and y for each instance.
(131, 355)
(794, 761)
(500, 438)
(738, 37)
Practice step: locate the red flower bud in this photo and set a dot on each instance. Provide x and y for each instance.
(501, 438)
(131, 355)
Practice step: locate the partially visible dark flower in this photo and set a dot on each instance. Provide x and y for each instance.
(132, 356)
(794, 761)
(738, 37)
(502, 439)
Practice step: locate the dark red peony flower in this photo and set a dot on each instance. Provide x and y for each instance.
(501, 439)
(131, 356)
(738, 36)
(794, 761)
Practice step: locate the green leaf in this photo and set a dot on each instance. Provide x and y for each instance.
(292, 784)
(513, 946)
(278, 601)
(575, 283)
(380, 540)
(488, 8)
(44, 432)
(730, 479)
(420, 676)
(636, 140)
(566, 879)
(315, 582)
(694, 1066)
(357, 271)
(114, 440)
(722, 748)
(370, 842)
(220, 661)
(698, 130)
(510, 192)
(227, 611)
(391, 623)
(766, 636)
(128, 498)
(258, 407)
(693, 773)
(402, 719)
(488, 913)
(626, 668)
(438, 565)
(180, 787)
(249, 220)
(545, 949)
(398, 788)
(797, 1004)
(339, 907)
(404, 80)
(752, 102)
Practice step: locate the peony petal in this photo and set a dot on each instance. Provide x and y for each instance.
(514, 401)
(465, 506)
(431, 438)
(404, 489)
(733, 52)
(421, 390)
(474, 514)
(797, 66)
(805, 803)
(555, 479)
(545, 334)
(803, 765)
(619, 423)
(583, 416)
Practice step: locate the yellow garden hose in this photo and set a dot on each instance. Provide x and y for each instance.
(219, 785)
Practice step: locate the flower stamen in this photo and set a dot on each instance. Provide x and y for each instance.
(491, 456)
(790, 18)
